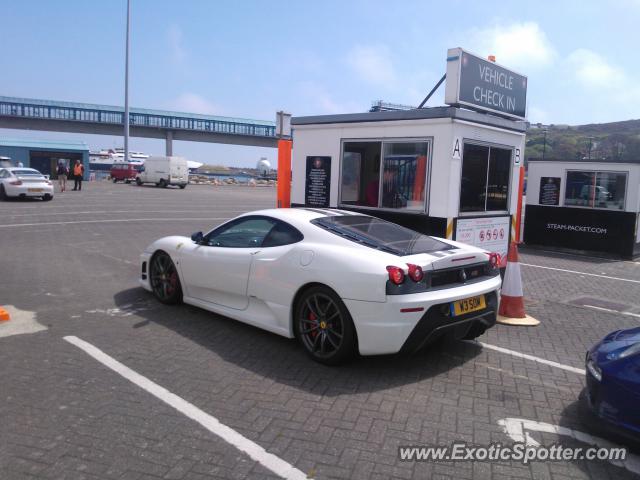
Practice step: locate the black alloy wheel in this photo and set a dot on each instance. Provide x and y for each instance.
(164, 279)
(324, 327)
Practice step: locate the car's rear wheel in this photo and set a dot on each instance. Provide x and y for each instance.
(162, 183)
(47, 197)
(115, 180)
(3, 194)
(138, 182)
(164, 279)
(324, 327)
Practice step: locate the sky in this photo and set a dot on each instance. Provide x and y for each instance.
(249, 59)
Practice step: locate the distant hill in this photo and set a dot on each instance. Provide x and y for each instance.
(607, 141)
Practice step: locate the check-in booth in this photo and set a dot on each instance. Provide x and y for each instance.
(442, 171)
(587, 205)
(450, 171)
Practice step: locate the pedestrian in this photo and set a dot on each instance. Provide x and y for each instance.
(19, 164)
(62, 176)
(78, 172)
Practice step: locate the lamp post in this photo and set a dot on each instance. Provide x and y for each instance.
(126, 88)
(544, 146)
(590, 144)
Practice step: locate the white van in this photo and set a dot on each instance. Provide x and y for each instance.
(164, 171)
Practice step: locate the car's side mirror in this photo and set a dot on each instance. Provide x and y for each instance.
(197, 237)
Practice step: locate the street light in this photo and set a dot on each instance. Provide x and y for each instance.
(590, 144)
(544, 147)
(126, 89)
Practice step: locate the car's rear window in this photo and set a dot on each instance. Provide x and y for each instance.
(380, 234)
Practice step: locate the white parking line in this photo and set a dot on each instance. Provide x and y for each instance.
(252, 449)
(94, 212)
(610, 310)
(581, 273)
(513, 353)
(113, 220)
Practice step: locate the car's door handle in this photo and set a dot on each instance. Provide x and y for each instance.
(257, 251)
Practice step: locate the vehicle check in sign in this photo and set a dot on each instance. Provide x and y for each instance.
(484, 85)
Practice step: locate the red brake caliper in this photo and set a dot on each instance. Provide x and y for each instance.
(173, 280)
(313, 333)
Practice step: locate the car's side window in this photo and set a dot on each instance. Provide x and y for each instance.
(242, 233)
(282, 234)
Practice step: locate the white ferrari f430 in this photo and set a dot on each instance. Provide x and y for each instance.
(339, 282)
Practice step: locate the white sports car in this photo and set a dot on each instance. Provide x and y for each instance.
(22, 182)
(338, 281)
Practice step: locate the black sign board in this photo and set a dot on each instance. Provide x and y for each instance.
(549, 191)
(587, 229)
(484, 85)
(318, 182)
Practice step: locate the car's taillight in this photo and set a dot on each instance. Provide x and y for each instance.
(396, 274)
(48, 182)
(415, 272)
(16, 182)
(493, 267)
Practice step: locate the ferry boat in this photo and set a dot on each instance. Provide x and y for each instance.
(104, 159)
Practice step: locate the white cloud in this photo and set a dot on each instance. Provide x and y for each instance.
(372, 63)
(593, 71)
(177, 52)
(518, 45)
(194, 103)
(536, 114)
(320, 101)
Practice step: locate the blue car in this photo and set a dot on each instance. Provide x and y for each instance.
(613, 381)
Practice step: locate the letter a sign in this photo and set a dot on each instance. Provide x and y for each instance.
(456, 148)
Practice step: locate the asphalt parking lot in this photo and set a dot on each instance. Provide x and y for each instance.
(72, 265)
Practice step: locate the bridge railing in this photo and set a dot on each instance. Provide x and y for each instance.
(150, 120)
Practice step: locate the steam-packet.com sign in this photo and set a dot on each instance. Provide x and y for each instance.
(481, 84)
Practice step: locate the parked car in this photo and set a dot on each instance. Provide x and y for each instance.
(24, 182)
(164, 171)
(124, 171)
(613, 381)
(337, 281)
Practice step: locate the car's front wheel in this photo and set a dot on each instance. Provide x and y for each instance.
(164, 279)
(323, 325)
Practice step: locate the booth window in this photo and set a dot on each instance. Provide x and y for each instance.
(484, 185)
(595, 189)
(395, 181)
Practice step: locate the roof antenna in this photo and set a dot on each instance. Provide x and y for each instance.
(433, 90)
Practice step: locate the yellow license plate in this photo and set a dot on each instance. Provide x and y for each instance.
(466, 305)
(35, 190)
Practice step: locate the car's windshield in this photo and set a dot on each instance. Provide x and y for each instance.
(26, 171)
(380, 234)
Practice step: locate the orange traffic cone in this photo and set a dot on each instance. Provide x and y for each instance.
(4, 315)
(511, 311)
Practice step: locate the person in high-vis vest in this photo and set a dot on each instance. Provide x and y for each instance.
(78, 172)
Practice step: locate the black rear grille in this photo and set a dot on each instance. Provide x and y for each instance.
(458, 275)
